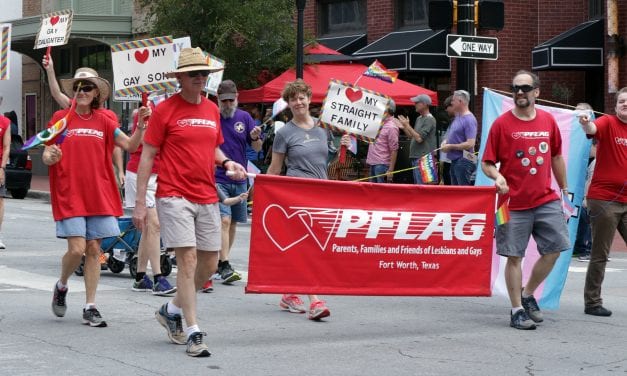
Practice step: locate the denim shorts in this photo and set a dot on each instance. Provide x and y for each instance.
(237, 212)
(90, 228)
(546, 223)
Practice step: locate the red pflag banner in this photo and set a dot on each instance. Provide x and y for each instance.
(349, 238)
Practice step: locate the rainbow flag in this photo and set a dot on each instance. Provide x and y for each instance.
(568, 207)
(502, 214)
(377, 70)
(427, 168)
(53, 134)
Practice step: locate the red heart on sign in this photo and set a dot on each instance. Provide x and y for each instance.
(284, 230)
(141, 57)
(54, 20)
(353, 95)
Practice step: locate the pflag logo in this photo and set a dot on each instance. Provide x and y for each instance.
(289, 227)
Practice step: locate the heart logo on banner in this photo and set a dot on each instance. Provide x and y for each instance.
(353, 95)
(142, 56)
(285, 230)
(54, 20)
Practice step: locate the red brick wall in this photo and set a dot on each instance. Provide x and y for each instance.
(31, 7)
(384, 18)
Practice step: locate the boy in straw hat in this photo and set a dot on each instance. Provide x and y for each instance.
(185, 130)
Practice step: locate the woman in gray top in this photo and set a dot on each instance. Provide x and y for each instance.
(304, 144)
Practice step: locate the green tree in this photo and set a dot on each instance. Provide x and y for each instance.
(252, 36)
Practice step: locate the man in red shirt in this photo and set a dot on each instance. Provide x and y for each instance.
(607, 196)
(527, 144)
(185, 130)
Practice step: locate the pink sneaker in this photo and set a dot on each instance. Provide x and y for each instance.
(292, 303)
(318, 310)
(208, 286)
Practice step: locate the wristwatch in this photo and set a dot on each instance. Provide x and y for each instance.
(224, 162)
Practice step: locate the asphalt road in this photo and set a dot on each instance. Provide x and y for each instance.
(250, 335)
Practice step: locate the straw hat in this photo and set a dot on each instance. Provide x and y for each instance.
(192, 59)
(87, 74)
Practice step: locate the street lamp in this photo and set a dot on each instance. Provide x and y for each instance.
(300, 7)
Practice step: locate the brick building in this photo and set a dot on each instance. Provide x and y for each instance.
(388, 29)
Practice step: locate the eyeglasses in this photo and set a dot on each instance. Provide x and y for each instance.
(193, 74)
(524, 88)
(84, 88)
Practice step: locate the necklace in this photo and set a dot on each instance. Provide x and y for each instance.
(85, 118)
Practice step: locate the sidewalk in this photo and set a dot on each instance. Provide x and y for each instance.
(40, 188)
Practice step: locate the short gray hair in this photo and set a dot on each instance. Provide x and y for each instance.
(463, 95)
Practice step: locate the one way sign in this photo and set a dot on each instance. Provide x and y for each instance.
(468, 47)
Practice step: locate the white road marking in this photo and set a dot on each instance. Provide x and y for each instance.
(19, 278)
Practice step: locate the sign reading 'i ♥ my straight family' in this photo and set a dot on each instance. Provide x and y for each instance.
(142, 65)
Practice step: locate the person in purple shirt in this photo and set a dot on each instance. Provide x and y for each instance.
(459, 144)
(239, 131)
(383, 152)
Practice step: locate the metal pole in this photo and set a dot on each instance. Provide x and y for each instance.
(300, 7)
(466, 67)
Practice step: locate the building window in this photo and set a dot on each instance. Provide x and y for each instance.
(338, 17)
(595, 8)
(65, 61)
(96, 57)
(412, 14)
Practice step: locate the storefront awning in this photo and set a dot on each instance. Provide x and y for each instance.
(414, 50)
(345, 44)
(578, 48)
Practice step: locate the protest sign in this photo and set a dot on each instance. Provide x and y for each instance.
(54, 29)
(5, 51)
(141, 65)
(214, 79)
(350, 238)
(355, 110)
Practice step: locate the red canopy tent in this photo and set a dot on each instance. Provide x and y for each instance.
(319, 75)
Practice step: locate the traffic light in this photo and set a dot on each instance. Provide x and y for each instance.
(491, 14)
(440, 14)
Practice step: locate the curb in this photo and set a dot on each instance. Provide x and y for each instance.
(38, 194)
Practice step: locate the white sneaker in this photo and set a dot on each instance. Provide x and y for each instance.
(2, 246)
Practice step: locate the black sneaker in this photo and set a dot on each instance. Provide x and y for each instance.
(58, 301)
(227, 273)
(92, 318)
(531, 308)
(196, 347)
(598, 311)
(520, 320)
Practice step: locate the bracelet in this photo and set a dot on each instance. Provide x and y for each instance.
(224, 162)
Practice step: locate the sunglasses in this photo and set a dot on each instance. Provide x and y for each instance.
(84, 88)
(227, 100)
(198, 73)
(524, 88)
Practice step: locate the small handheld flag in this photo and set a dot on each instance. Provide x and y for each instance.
(568, 208)
(502, 214)
(427, 168)
(377, 70)
(53, 134)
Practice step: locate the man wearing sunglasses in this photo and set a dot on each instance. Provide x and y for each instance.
(185, 130)
(527, 143)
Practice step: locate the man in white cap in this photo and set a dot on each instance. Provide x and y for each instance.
(185, 130)
(422, 134)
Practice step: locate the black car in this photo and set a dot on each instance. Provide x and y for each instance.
(18, 170)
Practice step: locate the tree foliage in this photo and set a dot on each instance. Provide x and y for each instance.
(252, 36)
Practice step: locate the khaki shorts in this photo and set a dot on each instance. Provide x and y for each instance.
(130, 190)
(547, 225)
(186, 224)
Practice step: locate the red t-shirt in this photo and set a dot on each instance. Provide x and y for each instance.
(5, 124)
(133, 161)
(187, 136)
(82, 183)
(525, 149)
(609, 180)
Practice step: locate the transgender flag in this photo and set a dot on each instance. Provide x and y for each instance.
(575, 149)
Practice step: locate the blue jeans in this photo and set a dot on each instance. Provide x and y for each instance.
(378, 169)
(583, 241)
(462, 171)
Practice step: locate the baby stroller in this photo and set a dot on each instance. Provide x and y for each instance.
(122, 249)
